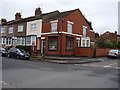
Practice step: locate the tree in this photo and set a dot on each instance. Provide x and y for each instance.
(101, 42)
(112, 44)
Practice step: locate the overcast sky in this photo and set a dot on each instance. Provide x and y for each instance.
(102, 13)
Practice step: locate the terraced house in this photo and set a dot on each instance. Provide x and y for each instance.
(54, 33)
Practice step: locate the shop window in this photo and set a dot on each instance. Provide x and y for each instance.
(53, 44)
(69, 44)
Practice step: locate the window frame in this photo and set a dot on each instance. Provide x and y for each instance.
(54, 29)
(20, 28)
(85, 41)
(84, 31)
(30, 40)
(2, 30)
(10, 30)
(69, 29)
(21, 39)
(3, 40)
(33, 26)
(77, 42)
(9, 39)
(67, 40)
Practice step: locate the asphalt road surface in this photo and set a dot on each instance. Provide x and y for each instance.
(31, 74)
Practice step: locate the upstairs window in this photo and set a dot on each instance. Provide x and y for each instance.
(2, 30)
(10, 30)
(33, 26)
(84, 31)
(54, 27)
(20, 28)
(70, 26)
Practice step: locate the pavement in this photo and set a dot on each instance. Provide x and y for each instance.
(7, 85)
(70, 60)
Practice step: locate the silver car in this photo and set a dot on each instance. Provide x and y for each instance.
(113, 53)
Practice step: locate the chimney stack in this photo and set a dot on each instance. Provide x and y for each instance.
(3, 20)
(116, 32)
(17, 16)
(38, 11)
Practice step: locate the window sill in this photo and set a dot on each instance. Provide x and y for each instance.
(53, 50)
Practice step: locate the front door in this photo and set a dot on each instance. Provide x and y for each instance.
(43, 46)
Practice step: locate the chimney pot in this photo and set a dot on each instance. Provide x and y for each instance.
(17, 16)
(38, 11)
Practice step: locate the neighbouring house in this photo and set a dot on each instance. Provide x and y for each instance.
(54, 33)
(110, 36)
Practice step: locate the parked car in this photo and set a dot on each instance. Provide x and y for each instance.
(18, 53)
(113, 53)
(3, 51)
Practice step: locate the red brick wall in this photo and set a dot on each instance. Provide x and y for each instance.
(84, 52)
(78, 20)
(101, 52)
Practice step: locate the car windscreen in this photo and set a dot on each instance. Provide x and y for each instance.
(114, 51)
(22, 51)
(2, 49)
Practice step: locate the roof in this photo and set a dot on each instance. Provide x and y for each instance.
(61, 15)
(43, 16)
(48, 17)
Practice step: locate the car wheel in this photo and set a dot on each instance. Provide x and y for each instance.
(17, 57)
(8, 56)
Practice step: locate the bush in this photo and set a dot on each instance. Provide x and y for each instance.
(112, 44)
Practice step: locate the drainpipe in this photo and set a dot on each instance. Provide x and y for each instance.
(61, 21)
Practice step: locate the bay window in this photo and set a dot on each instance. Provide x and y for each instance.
(85, 42)
(30, 40)
(9, 41)
(20, 40)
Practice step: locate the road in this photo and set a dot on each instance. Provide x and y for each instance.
(31, 74)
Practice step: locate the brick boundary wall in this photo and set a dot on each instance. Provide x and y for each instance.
(84, 52)
(89, 52)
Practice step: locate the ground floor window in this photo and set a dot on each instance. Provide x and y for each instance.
(30, 40)
(78, 42)
(85, 42)
(53, 43)
(20, 40)
(69, 44)
(2, 40)
(9, 41)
